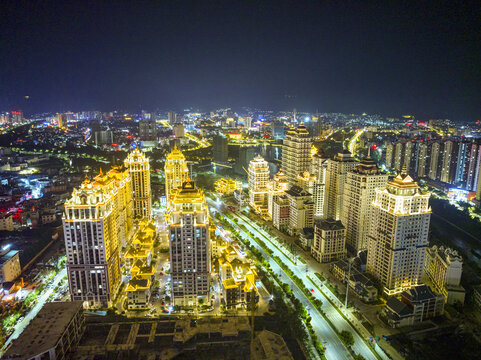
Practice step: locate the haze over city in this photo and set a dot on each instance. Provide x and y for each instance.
(389, 59)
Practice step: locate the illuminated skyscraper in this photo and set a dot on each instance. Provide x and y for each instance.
(398, 234)
(276, 187)
(319, 169)
(172, 117)
(359, 193)
(147, 127)
(176, 173)
(188, 220)
(296, 153)
(220, 149)
(139, 168)
(336, 175)
(61, 120)
(258, 179)
(97, 222)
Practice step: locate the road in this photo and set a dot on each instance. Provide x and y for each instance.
(331, 312)
(41, 300)
(335, 349)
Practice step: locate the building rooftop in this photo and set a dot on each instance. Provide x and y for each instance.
(419, 293)
(269, 345)
(297, 191)
(329, 224)
(4, 258)
(397, 306)
(45, 330)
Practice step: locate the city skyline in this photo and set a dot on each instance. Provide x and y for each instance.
(391, 59)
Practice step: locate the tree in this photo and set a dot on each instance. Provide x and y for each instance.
(346, 337)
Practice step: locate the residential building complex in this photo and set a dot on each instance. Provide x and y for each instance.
(97, 222)
(398, 234)
(301, 210)
(296, 153)
(258, 180)
(359, 193)
(329, 240)
(415, 305)
(9, 266)
(336, 176)
(188, 220)
(139, 169)
(444, 266)
(176, 173)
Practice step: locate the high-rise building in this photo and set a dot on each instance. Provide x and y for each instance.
(258, 179)
(398, 234)
(247, 122)
(301, 209)
(434, 161)
(336, 175)
(97, 222)
(172, 116)
(329, 240)
(359, 193)
(318, 169)
(147, 127)
(389, 155)
(398, 156)
(220, 149)
(296, 153)
(139, 168)
(276, 187)
(179, 131)
(188, 220)
(16, 117)
(176, 173)
(243, 160)
(277, 130)
(423, 163)
(61, 120)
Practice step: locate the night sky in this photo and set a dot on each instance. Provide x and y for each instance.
(421, 58)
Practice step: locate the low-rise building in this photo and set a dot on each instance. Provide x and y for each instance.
(444, 266)
(329, 240)
(306, 238)
(53, 334)
(238, 279)
(227, 186)
(268, 345)
(9, 266)
(415, 305)
(138, 292)
(6, 222)
(358, 282)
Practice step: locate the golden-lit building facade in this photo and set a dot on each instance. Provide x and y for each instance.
(188, 220)
(138, 260)
(139, 168)
(176, 173)
(225, 186)
(96, 222)
(398, 234)
(238, 278)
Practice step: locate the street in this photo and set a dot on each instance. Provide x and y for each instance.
(42, 299)
(335, 349)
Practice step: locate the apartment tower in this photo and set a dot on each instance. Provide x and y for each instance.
(398, 234)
